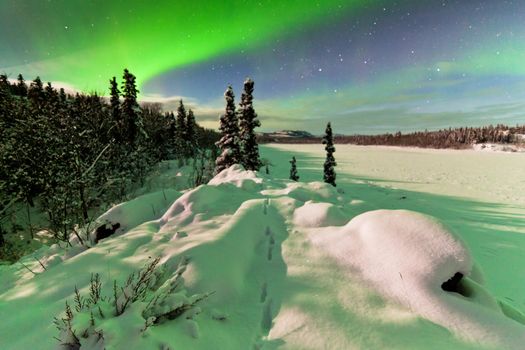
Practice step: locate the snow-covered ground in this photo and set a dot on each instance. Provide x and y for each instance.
(302, 265)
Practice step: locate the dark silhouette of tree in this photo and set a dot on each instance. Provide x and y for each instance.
(190, 135)
(116, 113)
(182, 144)
(130, 108)
(62, 96)
(247, 123)
(329, 164)
(293, 170)
(172, 134)
(4, 83)
(181, 120)
(229, 128)
(21, 86)
(36, 94)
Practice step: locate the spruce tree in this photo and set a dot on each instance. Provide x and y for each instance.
(36, 94)
(172, 134)
(116, 115)
(51, 98)
(247, 123)
(181, 120)
(229, 142)
(190, 134)
(62, 96)
(329, 164)
(5, 105)
(130, 108)
(21, 86)
(4, 83)
(181, 142)
(293, 170)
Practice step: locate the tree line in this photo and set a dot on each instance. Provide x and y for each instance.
(462, 137)
(67, 154)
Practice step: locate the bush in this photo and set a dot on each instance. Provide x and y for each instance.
(83, 325)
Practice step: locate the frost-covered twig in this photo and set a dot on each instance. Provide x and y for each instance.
(79, 302)
(94, 288)
(132, 292)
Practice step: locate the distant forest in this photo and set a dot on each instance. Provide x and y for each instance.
(462, 137)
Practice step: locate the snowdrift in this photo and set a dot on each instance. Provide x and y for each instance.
(249, 261)
(413, 260)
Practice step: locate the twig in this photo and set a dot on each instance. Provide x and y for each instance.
(40, 263)
(96, 160)
(34, 273)
(78, 236)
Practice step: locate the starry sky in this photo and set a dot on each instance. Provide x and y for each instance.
(367, 66)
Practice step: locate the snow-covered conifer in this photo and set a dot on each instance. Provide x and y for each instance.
(247, 123)
(229, 142)
(329, 164)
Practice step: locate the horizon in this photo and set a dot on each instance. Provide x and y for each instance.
(369, 68)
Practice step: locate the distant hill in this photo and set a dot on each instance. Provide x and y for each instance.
(289, 133)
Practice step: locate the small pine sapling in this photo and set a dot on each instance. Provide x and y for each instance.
(293, 170)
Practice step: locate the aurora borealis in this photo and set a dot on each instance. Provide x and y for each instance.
(367, 66)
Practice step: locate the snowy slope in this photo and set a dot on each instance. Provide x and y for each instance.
(287, 265)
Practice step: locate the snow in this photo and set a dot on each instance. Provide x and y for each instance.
(313, 214)
(496, 147)
(407, 257)
(301, 265)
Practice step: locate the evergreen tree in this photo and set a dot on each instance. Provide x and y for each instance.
(35, 94)
(171, 134)
(21, 86)
(6, 106)
(329, 164)
(229, 142)
(247, 123)
(181, 142)
(4, 83)
(62, 96)
(181, 120)
(130, 108)
(293, 170)
(116, 115)
(191, 134)
(51, 98)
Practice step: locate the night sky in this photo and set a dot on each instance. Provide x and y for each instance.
(366, 66)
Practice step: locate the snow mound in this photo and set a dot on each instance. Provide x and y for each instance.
(410, 259)
(204, 202)
(313, 214)
(139, 210)
(236, 175)
(304, 192)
